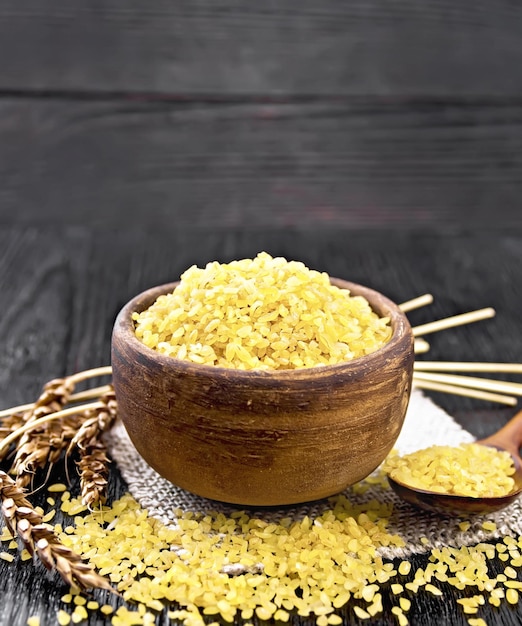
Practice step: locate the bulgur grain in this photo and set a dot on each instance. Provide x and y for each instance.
(512, 596)
(467, 470)
(63, 618)
(56, 488)
(261, 313)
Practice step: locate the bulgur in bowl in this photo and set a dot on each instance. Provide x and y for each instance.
(255, 434)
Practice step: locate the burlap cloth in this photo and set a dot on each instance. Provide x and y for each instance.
(425, 424)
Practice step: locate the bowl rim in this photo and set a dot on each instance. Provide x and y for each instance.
(401, 330)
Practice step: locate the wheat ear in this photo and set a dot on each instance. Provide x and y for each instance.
(40, 539)
(45, 443)
(93, 463)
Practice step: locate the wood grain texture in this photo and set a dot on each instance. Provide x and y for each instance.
(366, 165)
(404, 48)
(61, 288)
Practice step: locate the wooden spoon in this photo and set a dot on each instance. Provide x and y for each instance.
(508, 438)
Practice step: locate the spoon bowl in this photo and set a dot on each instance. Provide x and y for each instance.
(508, 438)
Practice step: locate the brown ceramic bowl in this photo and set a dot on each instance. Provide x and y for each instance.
(260, 437)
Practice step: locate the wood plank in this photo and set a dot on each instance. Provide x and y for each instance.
(359, 165)
(62, 285)
(36, 300)
(209, 47)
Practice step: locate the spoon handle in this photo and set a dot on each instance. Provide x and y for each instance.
(509, 437)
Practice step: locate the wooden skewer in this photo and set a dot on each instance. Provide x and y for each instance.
(455, 320)
(472, 381)
(464, 391)
(416, 303)
(420, 346)
(462, 366)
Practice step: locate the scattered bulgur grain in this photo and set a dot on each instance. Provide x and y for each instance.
(126, 542)
(56, 488)
(361, 613)
(63, 618)
(514, 584)
(6, 556)
(34, 620)
(512, 596)
(433, 590)
(107, 609)
(79, 614)
(79, 600)
(402, 620)
(6, 535)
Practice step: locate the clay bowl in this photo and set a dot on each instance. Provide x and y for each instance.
(263, 438)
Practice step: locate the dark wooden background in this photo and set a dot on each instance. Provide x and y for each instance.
(378, 140)
(219, 112)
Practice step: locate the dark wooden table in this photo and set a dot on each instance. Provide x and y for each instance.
(380, 142)
(62, 287)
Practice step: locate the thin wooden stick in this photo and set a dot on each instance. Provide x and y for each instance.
(73, 410)
(455, 320)
(473, 382)
(463, 366)
(421, 346)
(416, 303)
(464, 391)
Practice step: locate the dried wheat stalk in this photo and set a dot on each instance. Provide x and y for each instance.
(44, 444)
(8, 425)
(93, 464)
(39, 538)
(94, 474)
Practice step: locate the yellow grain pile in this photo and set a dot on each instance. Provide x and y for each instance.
(261, 313)
(466, 470)
(218, 568)
(239, 565)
